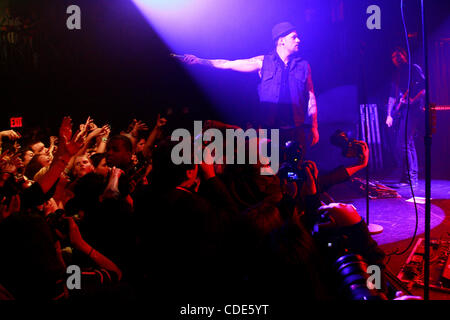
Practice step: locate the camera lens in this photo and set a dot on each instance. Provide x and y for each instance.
(351, 270)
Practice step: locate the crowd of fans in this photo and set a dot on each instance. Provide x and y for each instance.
(136, 223)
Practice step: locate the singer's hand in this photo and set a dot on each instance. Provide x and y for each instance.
(191, 59)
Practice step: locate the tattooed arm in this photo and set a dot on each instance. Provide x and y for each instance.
(242, 65)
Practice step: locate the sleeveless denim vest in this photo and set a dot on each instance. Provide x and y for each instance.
(299, 85)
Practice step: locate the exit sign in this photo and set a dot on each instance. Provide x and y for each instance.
(16, 122)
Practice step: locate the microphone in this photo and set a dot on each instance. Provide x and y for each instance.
(179, 56)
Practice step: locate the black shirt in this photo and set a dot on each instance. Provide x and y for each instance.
(284, 115)
(399, 83)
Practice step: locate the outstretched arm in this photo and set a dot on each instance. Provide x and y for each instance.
(242, 65)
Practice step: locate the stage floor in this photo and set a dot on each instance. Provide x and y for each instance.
(398, 218)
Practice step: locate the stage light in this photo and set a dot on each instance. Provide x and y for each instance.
(163, 5)
(177, 22)
(171, 11)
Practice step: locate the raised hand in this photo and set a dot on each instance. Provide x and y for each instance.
(53, 140)
(364, 154)
(88, 126)
(105, 131)
(112, 189)
(91, 125)
(7, 155)
(160, 122)
(65, 130)
(11, 134)
(69, 145)
(18, 163)
(138, 126)
(95, 133)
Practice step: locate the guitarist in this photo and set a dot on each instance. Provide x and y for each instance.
(397, 110)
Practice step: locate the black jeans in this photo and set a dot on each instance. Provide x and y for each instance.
(406, 148)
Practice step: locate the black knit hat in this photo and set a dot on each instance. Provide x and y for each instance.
(282, 29)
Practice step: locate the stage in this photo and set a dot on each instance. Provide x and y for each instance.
(398, 218)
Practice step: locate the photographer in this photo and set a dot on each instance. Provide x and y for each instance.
(276, 248)
(302, 184)
(351, 148)
(337, 228)
(264, 245)
(291, 168)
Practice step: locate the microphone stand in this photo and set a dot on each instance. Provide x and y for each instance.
(373, 228)
(427, 142)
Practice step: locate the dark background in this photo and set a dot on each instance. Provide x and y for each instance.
(117, 67)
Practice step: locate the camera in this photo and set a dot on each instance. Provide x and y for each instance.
(292, 168)
(292, 176)
(349, 148)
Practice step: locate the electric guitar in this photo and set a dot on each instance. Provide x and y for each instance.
(398, 105)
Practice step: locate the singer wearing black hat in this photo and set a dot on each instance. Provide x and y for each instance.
(286, 90)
